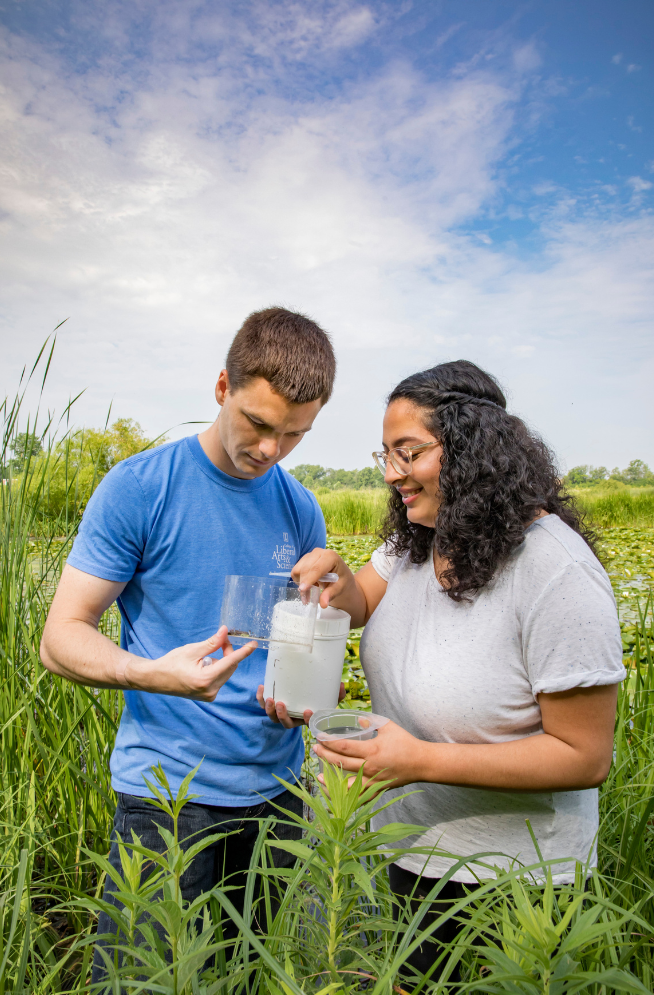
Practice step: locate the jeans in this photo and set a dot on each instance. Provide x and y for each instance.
(229, 857)
(405, 883)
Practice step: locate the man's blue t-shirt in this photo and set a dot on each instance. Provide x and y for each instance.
(173, 526)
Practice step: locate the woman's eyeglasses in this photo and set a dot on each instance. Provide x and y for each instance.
(401, 459)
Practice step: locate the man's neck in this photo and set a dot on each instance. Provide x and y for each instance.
(215, 451)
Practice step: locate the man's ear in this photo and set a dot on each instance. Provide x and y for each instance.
(222, 387)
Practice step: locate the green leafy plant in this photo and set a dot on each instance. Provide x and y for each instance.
(539, 942)
(160, 938)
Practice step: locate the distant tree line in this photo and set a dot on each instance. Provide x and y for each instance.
(314, 476)
(637, 474)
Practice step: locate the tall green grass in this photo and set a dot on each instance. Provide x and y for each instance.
(334, 931)
(55, 737)
(350, 512)
(629, 507)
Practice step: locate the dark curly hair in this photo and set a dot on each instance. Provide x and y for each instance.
(495, 477)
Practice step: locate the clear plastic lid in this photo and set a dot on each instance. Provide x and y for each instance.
(265, 608)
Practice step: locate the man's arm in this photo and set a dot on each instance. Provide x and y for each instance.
(73, 648)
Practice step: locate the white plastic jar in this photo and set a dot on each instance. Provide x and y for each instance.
(302, 679)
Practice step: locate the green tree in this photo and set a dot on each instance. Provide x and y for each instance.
(25, 446)
(308, 474)
(638, 473)
(585, 474)
(77, 463)
(576, 476)
(312, 476)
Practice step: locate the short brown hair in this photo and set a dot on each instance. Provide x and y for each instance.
(288, 350)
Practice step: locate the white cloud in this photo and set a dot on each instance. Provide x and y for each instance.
(638, 184)
(639, 187)
(158, 209)
(617, 59)
(526, 58)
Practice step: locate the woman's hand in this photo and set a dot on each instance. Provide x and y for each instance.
(573, 752)
(314, 565)
(358, 596)
(393, 755)
(277, 711)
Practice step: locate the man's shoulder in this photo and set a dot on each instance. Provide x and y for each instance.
(142, 475)
(300, 493)
(153, 459)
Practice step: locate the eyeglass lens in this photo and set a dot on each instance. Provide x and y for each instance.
(400, 461)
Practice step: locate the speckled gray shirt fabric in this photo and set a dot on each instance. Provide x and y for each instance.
(470, 672)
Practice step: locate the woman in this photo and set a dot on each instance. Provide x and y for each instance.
(492, 640)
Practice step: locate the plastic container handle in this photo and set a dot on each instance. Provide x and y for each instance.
(329, 578)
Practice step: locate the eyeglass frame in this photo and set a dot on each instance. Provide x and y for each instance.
(385, 457)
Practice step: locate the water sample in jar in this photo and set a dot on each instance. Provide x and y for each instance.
(340, 723)
(303, 680)
(265, 608)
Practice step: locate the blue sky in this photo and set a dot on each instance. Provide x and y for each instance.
(429, 180)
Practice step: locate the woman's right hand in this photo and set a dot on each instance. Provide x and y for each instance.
(315, 565)
(358, 596)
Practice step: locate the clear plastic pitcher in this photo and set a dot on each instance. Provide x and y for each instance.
(265, 608)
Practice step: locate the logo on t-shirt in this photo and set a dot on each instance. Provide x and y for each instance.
(284, 555)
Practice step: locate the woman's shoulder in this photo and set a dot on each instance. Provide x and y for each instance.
(551, 548)
(551, 537)
(384, 559)
(387, 560)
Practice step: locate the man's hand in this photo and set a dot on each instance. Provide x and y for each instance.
(277, 711)
(73, 648)
(186, 671)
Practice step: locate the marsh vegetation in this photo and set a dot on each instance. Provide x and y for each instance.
(334, 931)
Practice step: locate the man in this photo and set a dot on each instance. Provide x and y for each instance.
(159, 536)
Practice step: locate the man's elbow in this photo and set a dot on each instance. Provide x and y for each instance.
(47, 658)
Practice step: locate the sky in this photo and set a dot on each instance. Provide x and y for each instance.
(428, 179)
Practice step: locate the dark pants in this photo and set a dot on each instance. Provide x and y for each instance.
(405, 884)
(227, 860)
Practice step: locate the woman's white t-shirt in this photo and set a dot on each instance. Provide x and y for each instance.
(470, 672)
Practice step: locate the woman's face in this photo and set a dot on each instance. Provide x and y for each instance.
(403, 426)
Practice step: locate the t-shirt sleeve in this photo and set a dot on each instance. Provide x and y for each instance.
(316, 534)
(114, 528)
(571, 637)
(383, 560)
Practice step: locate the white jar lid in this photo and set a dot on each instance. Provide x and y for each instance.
(331, 623)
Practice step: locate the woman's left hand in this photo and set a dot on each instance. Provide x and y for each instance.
(393, 755)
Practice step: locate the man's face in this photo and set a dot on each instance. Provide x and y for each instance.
(259, 427)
